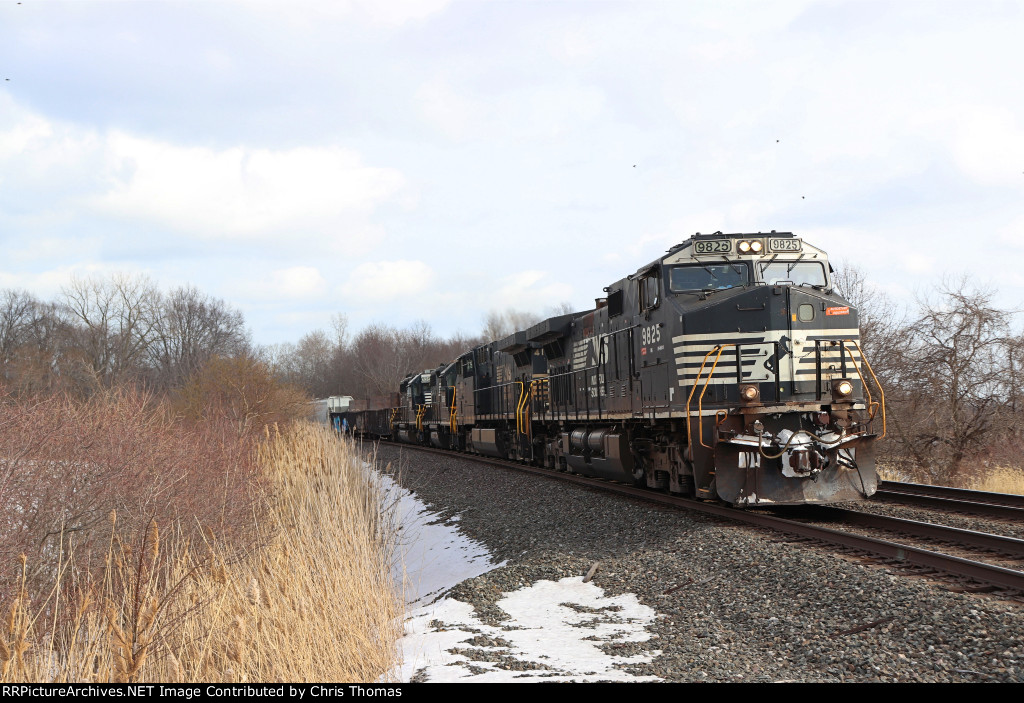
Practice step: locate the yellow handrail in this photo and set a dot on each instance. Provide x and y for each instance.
(452, 420)
(519, 406)
(881, 391)
(700, 420)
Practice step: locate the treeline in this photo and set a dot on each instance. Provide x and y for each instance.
(950, 363)
(104, 331)
(120, 331)
(375, 360)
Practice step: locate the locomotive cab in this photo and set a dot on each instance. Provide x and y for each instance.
(775, 392)
(417, 403)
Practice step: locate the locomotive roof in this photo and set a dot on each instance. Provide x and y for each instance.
(685, 251)
(735, 235)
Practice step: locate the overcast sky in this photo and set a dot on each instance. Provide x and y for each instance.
(399, 160)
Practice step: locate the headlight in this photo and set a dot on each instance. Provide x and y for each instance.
(749, 393)
(744, 247)
(842, 388)
(756, 247)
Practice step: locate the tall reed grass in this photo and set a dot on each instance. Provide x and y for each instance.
(310, 599)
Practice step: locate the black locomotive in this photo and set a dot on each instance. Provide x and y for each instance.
(727, 369)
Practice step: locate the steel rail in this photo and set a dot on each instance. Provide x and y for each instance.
(960, 494)
(997, 576)
(1008, 546)
(935, 500)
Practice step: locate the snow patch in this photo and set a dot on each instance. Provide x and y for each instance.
(549, 638)
(555, 631)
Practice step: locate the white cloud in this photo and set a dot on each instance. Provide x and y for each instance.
(527, 290)
(400, 11)
(21, 131)
(384, 281)
(297, 282)
(54, 168)
(918, 263)
(446, 109)
(536, 112)
(989, 145)
(291, 283)
(314, 14)
(239, 191)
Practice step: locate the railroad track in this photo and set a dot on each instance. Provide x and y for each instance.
(983, 576)
(1002, 505)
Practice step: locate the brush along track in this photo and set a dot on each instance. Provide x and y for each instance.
(990, 577)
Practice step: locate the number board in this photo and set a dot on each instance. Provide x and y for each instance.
(713, 246)
(785, 244)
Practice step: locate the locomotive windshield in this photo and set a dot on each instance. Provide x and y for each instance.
(708, 277)
(796, 272)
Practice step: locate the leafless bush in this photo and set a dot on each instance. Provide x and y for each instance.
(242, 392)
(65, 464)
(315, 601)
(951, 369)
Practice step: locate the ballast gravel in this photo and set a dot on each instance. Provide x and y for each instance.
(734, 604)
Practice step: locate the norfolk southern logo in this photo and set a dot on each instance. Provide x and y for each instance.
(772, 362)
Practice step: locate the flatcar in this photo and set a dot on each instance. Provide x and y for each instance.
(728, 369)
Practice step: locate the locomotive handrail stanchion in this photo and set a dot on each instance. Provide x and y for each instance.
(881, 391)
(700, 400)
(693, 389)
(451, 417)
(872, 405)
(519, 402)
(817, 369)
(527, 414)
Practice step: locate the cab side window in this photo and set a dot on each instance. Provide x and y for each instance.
(650, 291)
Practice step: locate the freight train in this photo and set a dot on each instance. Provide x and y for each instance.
(729, 369)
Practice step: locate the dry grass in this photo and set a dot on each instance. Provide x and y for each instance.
(997, 479)
(1001, 479)
(315, 602)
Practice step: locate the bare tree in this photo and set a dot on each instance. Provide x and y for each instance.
(35, 344)
(956, 385)
(189, 328)
(379, 359)
(17, 310)
(339, 323)
(116, 318)
(312, 366)
(882, 322)
(380, 356)
(501, 324)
